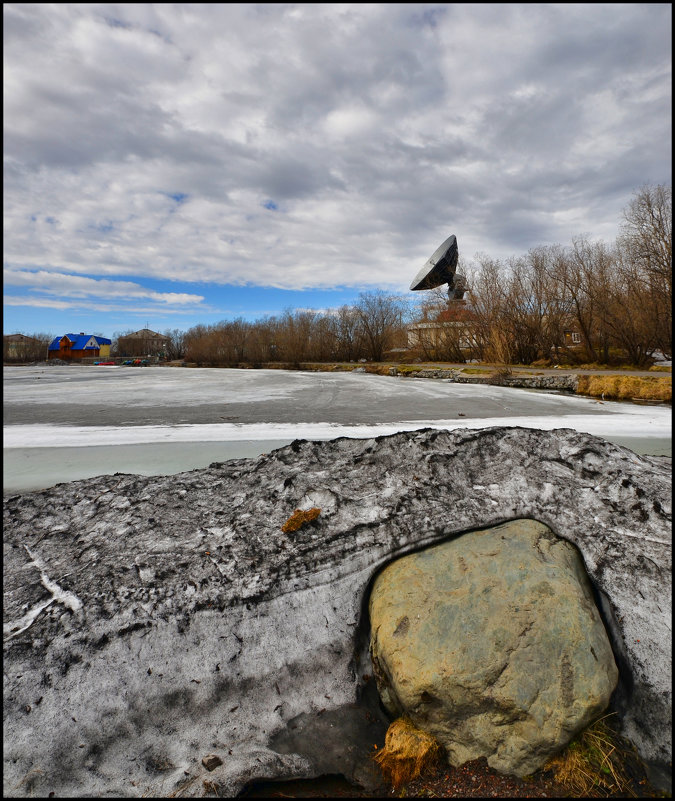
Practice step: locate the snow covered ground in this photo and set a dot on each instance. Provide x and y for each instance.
(64, 423)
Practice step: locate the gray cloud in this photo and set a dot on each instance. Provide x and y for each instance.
(322, 145)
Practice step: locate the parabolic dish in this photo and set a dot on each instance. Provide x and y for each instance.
(440, 268)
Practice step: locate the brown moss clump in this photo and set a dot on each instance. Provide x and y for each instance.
(299, 518)
(407, 752)
(623, 387)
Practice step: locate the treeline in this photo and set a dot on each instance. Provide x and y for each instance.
(375, 324)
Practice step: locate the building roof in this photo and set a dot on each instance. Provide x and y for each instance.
(144, 333)
(18, 338)
(457, 313)
(80, 342)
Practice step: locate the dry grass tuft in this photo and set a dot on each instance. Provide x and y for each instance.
(299, 518)
(624, 387)
(407, 752)
(592, 765)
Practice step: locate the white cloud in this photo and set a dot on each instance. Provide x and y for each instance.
(40, 303)
(97, 306)
(342, 123)
(75, 286)
(376, 130)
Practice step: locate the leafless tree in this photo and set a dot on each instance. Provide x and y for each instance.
(346, 332)
(646, 244)
(263, 341)
(381, 321)
(574, 271)
(488, 282)
(197, 345)
(175, 346)
(625, 307)
(296, 334)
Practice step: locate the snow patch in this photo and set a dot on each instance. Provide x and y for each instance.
(640, 421)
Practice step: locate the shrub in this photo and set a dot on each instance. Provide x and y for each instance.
(622, 387)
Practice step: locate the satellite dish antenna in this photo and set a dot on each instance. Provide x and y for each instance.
(440, 269)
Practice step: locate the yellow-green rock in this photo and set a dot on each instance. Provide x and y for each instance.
(492, 642)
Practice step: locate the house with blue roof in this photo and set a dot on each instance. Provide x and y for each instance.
(78, 346)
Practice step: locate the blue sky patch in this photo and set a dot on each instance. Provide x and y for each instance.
(179, 197)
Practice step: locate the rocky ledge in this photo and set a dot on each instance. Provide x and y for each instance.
(562, 383)
(164, 635)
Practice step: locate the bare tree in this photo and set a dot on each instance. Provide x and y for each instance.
(624, 305)
(574, 269)
(381, 320)
(175, 346)
(646, 242)
(324, 344)
(346, 332)
(296, 334)
(489, 297)
(263, 340)
(234, 336)
(197, 347)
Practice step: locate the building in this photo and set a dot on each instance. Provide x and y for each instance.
(21, 348)
(72, 347)
(453, 333)
(572, 338)
(143, 343)
(452, 328)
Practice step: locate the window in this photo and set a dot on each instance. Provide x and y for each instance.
(576, 338)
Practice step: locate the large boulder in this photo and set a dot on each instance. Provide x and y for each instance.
(151, 622)
(492, 642)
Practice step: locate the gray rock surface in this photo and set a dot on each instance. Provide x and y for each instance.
(152, 621)
(564, 383)
(492, 642)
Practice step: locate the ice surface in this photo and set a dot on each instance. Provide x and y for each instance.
(63, 423)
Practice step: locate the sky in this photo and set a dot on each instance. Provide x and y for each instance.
(179, 164)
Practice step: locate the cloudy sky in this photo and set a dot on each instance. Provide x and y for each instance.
(179, 164)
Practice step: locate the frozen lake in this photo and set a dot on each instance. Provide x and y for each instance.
(66, 423)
